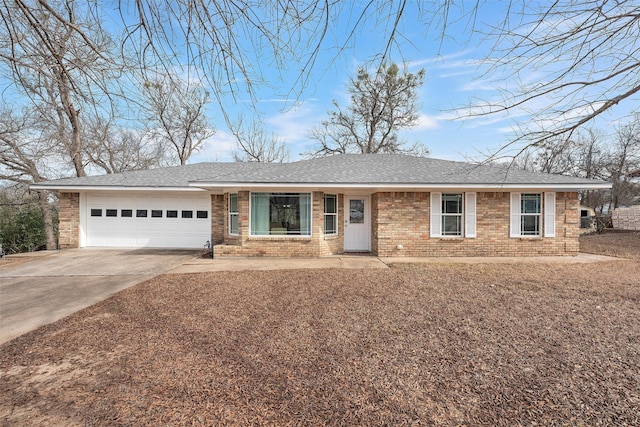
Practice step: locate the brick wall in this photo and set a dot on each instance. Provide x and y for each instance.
(280, 246)
(397, 218)
(626, 218)
(69, 215)
(218, 218)
(403, 219)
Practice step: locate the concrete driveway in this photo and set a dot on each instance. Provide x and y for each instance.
(40, 291)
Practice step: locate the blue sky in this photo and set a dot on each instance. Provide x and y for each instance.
(452, 81)
(455, 79)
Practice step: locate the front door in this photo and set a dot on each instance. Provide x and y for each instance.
(357, 224)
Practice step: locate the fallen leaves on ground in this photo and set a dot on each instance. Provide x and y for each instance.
(432, 344)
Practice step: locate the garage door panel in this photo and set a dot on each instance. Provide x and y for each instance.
(149, 231)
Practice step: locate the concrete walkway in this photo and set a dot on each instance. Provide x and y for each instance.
(362, 261)
(42, 287)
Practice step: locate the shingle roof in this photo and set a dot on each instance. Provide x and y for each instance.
(174, 176)
(337, 170)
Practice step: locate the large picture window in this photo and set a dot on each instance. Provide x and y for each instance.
(330, 214)
(233, 213)
(280, 214)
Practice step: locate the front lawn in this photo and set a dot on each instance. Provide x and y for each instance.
(434, 344)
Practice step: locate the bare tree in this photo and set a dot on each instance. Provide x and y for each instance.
(595, 155)
(624, 158)
(178, 115)
(62, 62)
(587, 52)
(62, 72)
(22, 160)
(585, 56)
(381, 104)
(230, 41)
(253, 145)
(114, 149)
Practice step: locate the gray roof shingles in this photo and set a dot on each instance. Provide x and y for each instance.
(343, 169)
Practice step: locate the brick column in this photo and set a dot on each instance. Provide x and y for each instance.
(69, 217)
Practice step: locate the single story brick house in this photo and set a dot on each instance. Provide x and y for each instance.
(383, 204)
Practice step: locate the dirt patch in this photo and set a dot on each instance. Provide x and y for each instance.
(7, 261)
(436, 344)
(618, 243)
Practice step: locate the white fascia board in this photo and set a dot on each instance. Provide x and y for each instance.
(398, 187)
(85, 188)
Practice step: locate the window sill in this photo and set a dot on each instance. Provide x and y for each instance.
(279, 237)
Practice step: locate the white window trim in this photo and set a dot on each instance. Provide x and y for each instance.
(547, 216)
(468, 216)
(284, 236)
(330, 214)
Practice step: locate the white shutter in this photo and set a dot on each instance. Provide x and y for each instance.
(515, 215)
(470, 215)
(549, 214)
(436, 215)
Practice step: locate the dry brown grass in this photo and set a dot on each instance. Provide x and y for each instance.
(618, 243)
(435, 344)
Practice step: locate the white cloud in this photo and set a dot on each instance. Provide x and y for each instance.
(478, 84)
(442, 61)
(293, 125)
(218, 148)
(427, 122)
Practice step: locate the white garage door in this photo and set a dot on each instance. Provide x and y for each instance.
(149, 220)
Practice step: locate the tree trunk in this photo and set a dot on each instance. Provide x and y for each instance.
(73, 115)
(47, 217)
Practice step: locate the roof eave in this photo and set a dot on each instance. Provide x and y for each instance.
(403, 186)
(81, 188)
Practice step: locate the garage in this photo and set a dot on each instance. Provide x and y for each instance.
(146, 219)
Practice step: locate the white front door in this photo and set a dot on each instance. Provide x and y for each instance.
(357, 224)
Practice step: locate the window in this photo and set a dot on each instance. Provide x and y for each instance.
(141, 213)
(111, 212)
(187, 214)
(356, 211)
(453, 215)
(96, 212)
(233, 213)
(531, 216)
(202, 214)
(156, 214)
(172, 214)
(280, 214)
(126, 213)
(330, 214)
